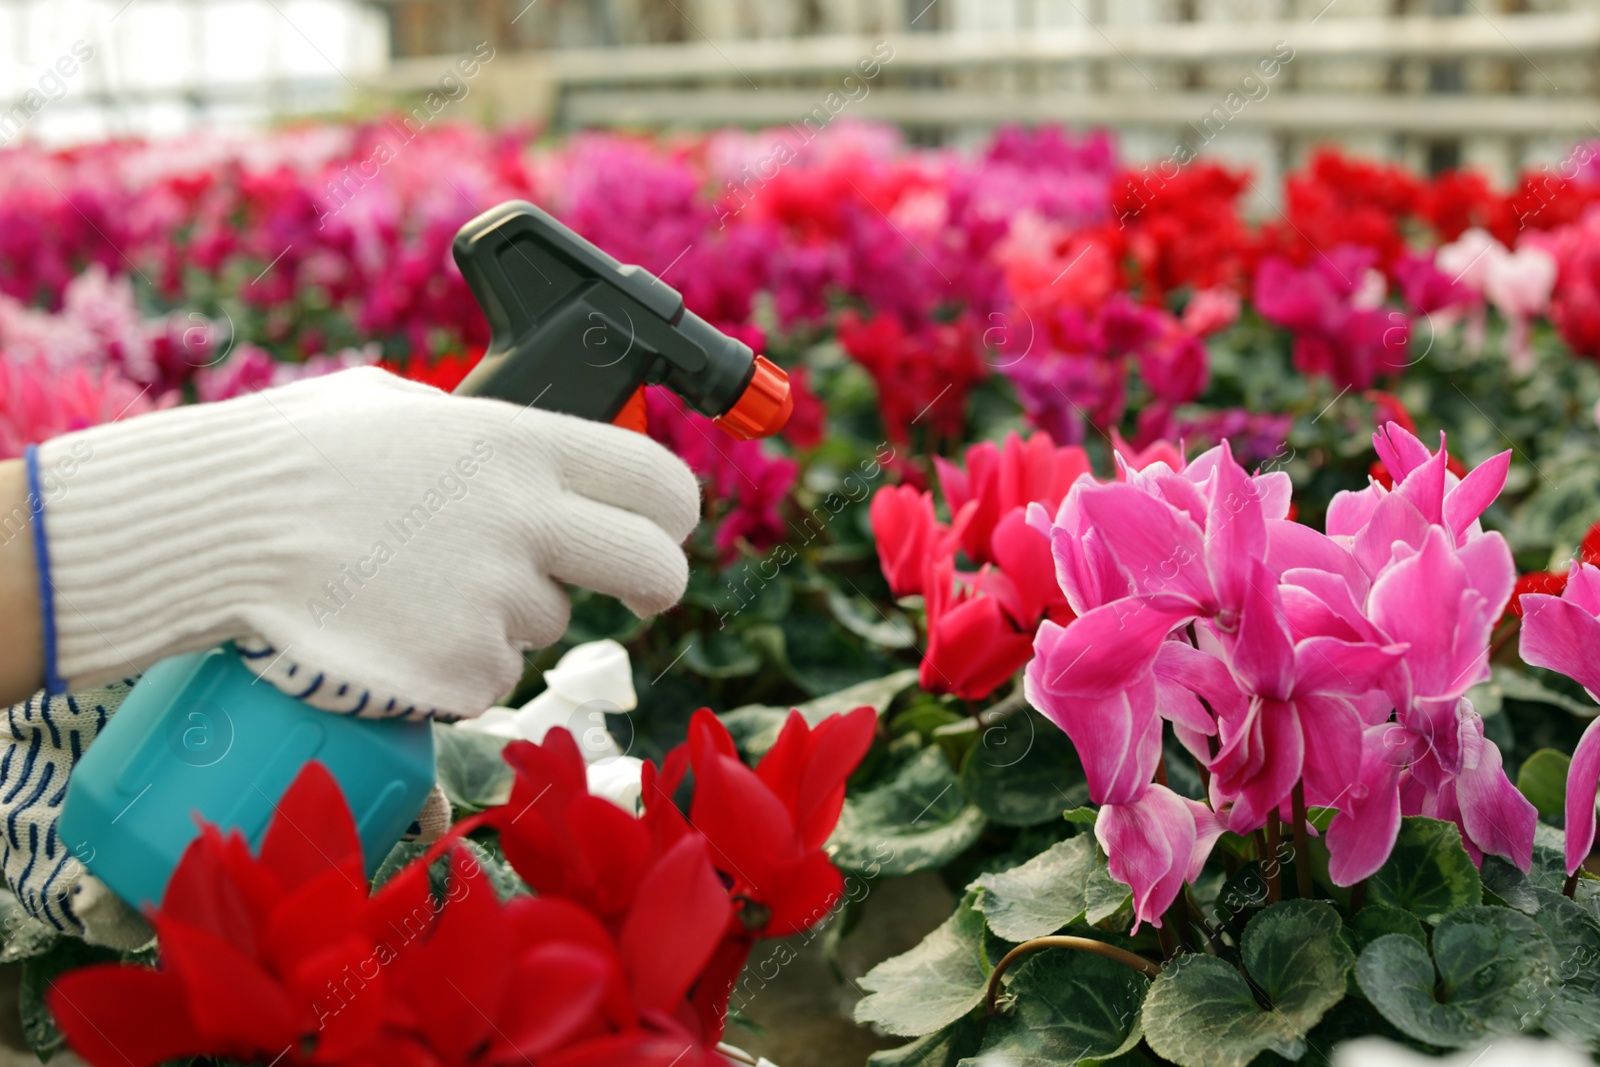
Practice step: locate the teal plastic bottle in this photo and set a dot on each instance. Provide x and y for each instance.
(201, 737)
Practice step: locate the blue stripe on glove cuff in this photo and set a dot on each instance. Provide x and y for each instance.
(41, 561)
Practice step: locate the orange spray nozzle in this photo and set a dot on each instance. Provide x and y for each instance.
(762, 409)
(764, 406)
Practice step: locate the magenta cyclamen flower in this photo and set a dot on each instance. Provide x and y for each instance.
(1563, 633)
(1138, 561)
(1334, 305)
(1438, 584)
(1299, 721)
(1156, 844)
(1432, 759)
(1332, 667)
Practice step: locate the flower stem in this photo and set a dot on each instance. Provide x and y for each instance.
(1358, 896)
(1198, 921)
(1177, 917)
(1505, 637)
(1165, 933)
(1274, 873)
(1569, 888)
(1302, 850)
(1081, 944)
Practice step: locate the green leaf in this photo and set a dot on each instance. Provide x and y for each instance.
(756, 726)
(1321, 818)
(1242, 894)
(876, 693)
(506, 882)
(596, 617)
(29, 937)
(1573, 1014)
(821, 656)
(1429, 872)
(1488, 968)
(1506, 884)
(957, 738)
(1069, 1007)
(866, 620)
(934, 984)
(472, 772)
(1508, 684)
(719, 654)
(915, 821)
(924, 717)
(1375, 921)
(1066, 883)
(1024, 771)
(1202, 1012)
(1543, 780)
(739, 595)
(946, 1048)
(1084, 816)
(38, 973)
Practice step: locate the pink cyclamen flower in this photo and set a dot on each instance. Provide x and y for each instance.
(1137, 560)
(1300, 721)
(1404, 773)
(1439, 583)
(1333, 307)
(1211, 310)
(39, 401)
(1175, 366)
(1519, 285)
(1444, 604)
(1185, 541)
(1466, 259)
(1563, 634)
(1154, 845)
(1427, 288)
(1372, 521)
(746, 478)
(1140, 458)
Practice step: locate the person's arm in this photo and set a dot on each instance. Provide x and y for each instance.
(21, 643)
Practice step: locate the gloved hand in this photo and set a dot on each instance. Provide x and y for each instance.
(374, 545)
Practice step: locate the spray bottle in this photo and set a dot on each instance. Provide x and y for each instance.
(200, 737)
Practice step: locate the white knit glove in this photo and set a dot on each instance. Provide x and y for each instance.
(377, 546)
